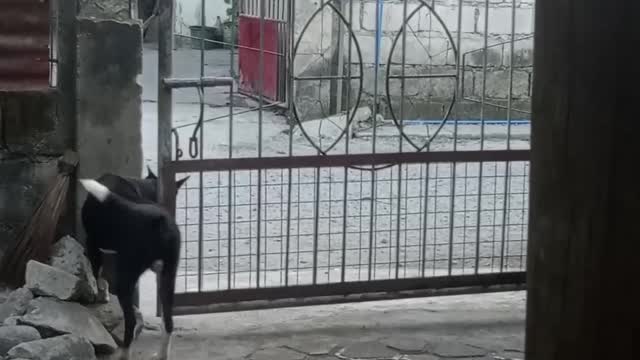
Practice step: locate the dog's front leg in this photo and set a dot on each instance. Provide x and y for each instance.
(165, 347)
(125, 354)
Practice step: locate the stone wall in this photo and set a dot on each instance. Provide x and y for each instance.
(428, 50)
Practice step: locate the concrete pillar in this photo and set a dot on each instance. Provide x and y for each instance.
(109, 103)
(106, 9)
(585, 198)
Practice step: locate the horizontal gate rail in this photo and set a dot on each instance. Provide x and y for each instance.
(347, 160)
(360, 291)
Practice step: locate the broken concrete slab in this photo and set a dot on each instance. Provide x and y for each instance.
(457, 350)
(65, 347)
(315, 346)
(15, 304)
(68, 255)
(51, 316)
(11, 336)
(278, 353)
(406, 345)
(368, 350)
(46, 280)
(11, 321)
(109, 314)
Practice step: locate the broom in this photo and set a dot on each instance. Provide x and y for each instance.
(36, 239)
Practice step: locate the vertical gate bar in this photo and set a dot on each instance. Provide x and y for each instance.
(260, 120)
(201, 148)
(316, 227)
(482, 115)
(230, 200)
(186, 228)
(391, 232)
(379, 5)
(425, 211)
(290, 73)
(345, 205)
(400, 138)
(165, 101)
(455, 147)
(507, 174)
(495, 210)
(231, 218)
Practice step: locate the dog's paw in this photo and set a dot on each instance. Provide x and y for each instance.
(125, 354)
(159, 357)
(103, 291)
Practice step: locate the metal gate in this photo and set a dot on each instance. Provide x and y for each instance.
(391, 173)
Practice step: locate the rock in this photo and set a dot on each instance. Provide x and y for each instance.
(109, 314)
(11, 336)
(11, 321)
(51, 316)
(118, 332)
(47, 280)
(66, 347)
(4, 294)
(16, 303)
(68, 255)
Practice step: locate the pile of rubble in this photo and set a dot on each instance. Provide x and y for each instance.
(56, 314)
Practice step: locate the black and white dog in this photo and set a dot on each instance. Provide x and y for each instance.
(121, 215)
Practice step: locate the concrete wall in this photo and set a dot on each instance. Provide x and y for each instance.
(428, 50)
(35, 129)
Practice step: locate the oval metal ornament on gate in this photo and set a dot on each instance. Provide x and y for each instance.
(351, 113)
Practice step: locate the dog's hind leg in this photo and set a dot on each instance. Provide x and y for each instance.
(95, 258)
(126, 283)
(167, 278)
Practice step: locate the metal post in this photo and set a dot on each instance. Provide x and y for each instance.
(165, 48)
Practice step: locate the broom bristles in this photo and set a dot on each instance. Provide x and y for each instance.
(36, 239)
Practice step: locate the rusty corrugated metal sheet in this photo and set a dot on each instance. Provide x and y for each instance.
(24, 45)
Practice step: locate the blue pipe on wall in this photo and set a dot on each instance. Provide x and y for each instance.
(502, 122)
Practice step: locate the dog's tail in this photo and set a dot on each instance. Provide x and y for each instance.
(99, 191)
(107, 197)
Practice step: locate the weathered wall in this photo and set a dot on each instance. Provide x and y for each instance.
(109, 97)
(35, 129)
(428, 50)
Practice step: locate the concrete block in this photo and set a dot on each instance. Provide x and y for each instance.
(46, 280)
(11, 336)
(497, 86)
(51, 316)
(423, 87)
(69, 347)
(423, 50)
(523, 53)
(105, 9)
(16, 304)
(109, 106)
(500, 20)
(33, 123)
(448, 13)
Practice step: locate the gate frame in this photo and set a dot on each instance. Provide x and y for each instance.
(299, 295)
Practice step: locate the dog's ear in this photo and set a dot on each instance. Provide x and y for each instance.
(180, 182)
(150, 174)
